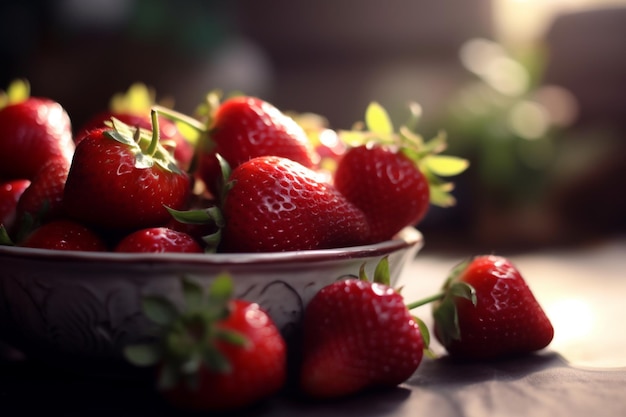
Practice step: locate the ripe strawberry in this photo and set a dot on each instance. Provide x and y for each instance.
(386, 185)
(158, 239)
(243, 128)
(133, 108)
(33, 130)
(43, 199)
(64, 235)
(357, 335)
(275, 204)
(217, 354)
(488, 311)
(122, 184)
(10, 193)
(391, 176)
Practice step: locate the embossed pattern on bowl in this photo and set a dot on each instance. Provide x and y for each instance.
(79, 309)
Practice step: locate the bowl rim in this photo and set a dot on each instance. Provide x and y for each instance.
(407, 237)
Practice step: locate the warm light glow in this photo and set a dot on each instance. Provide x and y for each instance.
(522, 21)
(572, 318)
(490, 61)
(328, 137)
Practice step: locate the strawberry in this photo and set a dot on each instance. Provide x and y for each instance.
(133, 108)
(217, 354)
(488, 311)
(386, 185)
(243, 128)
(122, 183)
(64, 235)
(274, 204)
(33, 130)
(158, 239)
(357, 335)
(43, 199)
(10, 193)
(391, 176)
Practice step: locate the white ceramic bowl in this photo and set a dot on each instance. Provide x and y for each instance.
(79, 309)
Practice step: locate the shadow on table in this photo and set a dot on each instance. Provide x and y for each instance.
(536, 385)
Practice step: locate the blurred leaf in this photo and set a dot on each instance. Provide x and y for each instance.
(446, 165)
(221, 289)
(381, 273)
(160, 310)
(353, 138)
(377, 120)
(193, 294)
(18, 91)
(440, 195)
(143, 354)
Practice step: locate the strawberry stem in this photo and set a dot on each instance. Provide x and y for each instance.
(180, 117)
(155, 133)
(424, 301)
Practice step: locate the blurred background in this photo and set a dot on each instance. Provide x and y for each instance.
(530, 91)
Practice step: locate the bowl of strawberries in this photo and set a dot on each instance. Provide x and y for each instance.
(96, 221)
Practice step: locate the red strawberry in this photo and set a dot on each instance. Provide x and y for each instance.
(10, 193)
(217, 354)
(276, 204)
(489, 311)
(392, 177)
(243, 128)
(43, 199)
(122, 184)
(64, 235)
(357, 335)
(33, 130)
(158, 239)
(386, 185)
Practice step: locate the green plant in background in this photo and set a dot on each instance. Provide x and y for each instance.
(506, 122)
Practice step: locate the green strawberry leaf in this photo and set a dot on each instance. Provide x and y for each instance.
(159, 310)
(143, 354)
(445, 313)
(231, 337)
(447, 321)
(381, 273)
(192, 365)
(440, 195)
(18, 91)
(216, 360)
(5, 239)
(362, 273)
(353, 137)
(193, 294)
(212, 241)
(425, 337)
(221, 289)
(445, 165)
(377, 120)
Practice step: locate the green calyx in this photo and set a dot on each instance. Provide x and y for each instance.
(212, 215)
(445, 312)
(144, 144)
(187, 337)
(206, 216)
(378, 128)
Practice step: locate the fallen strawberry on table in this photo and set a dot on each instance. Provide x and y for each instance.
(487, 311)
